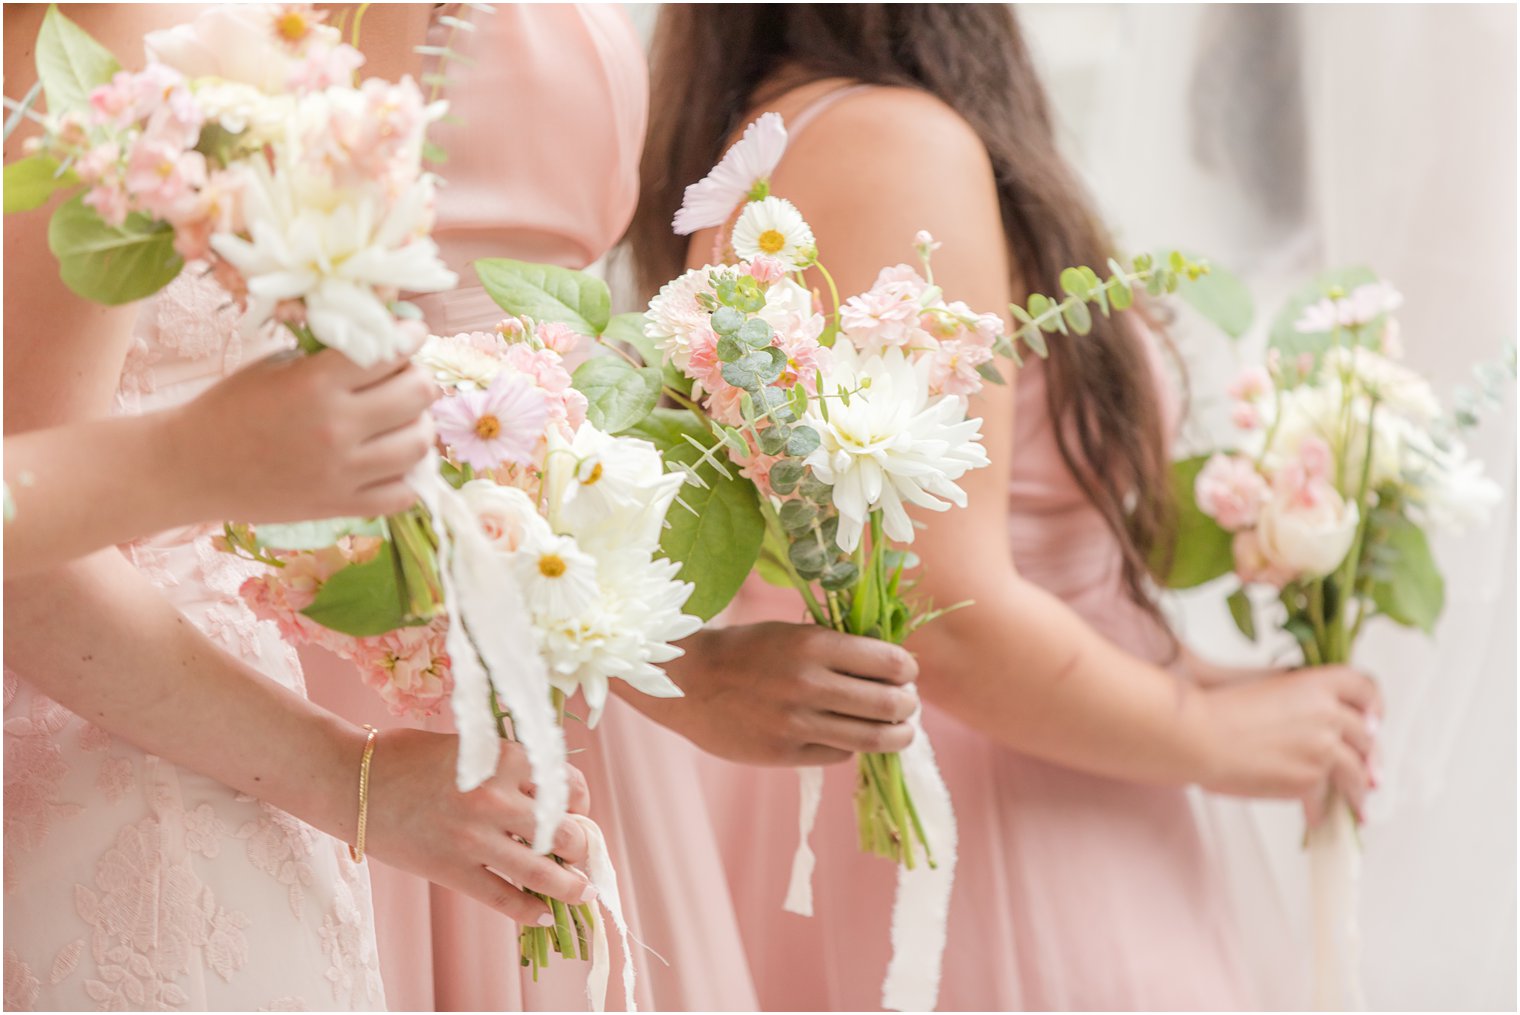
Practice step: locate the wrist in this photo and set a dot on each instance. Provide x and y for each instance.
(328, 799)
(1200, 742)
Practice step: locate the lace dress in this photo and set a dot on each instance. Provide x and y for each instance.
(131, 883)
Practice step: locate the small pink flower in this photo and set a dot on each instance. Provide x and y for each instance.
(1246, 416)
(501, 424)
(1252, 565)
(766, 269)
(558, 338)
(953, 367)
(511, 329)
(1305, 364)
(1253, 382)
(110, 203)
(883, 317)
(1230, 491)
(160, 176)
(723, 405)
(903, 273)
(703, 364)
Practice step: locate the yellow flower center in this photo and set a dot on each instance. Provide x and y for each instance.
(551, 565)
(594, 475)
(771, 241)
(487, 427)
(292, 26)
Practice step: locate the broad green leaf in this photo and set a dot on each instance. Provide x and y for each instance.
(1242, 613)
(546, 292)
(315, 535)
(1221, 297)
(1286, 337)
(1413, 592)
(1202, 550)
(718, 540)
(629, 330)
(617, 395)
(111, 264)
(362, 600)
(70, 64)
(31, 181)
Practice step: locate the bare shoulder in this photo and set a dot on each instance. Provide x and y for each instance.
(904, 127)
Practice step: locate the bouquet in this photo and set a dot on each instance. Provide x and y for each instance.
(245, 148)
(803, 432)
(572, 517)
(1345, 460)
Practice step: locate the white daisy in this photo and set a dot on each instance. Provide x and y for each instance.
(892, 445)
(742, 174)
(775, 227)
(558, 579)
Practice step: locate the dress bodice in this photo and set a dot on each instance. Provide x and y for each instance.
(544, 134)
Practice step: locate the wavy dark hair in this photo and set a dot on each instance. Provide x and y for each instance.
(710, 64)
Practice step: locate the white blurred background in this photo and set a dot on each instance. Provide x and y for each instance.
(1280, 140)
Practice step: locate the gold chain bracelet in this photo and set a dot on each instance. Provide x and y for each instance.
(356, 851)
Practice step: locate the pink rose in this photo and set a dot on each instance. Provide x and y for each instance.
(1230, 491)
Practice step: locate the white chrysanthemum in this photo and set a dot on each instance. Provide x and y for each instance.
(611, 493)
(1448, 485)
(342, 259)
(675, 316)
(774, 227)
(456, 364)
(892, 445)
(743, 173)
(1395, 386)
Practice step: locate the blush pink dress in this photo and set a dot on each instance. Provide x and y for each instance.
(1072, 891)
(543, 150)
(131, 883)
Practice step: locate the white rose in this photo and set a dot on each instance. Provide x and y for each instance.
(506, 514)
(1307, 532)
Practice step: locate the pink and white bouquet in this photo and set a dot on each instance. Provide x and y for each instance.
(570, 515)
(1344, 461)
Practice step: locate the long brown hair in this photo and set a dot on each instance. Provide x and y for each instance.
(707, 63)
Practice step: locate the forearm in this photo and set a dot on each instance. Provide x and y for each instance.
(83, 486)
(141, 671)
(1023, 668)
(1211, 674)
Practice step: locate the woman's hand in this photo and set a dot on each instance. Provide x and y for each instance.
(297, 437)
(1295, 736)
(788, 694)
(419, 822)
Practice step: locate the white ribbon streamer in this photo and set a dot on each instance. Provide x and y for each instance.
(921, 911)
(1335, 868)
(799, 891)
(604, 879)
(491, 646)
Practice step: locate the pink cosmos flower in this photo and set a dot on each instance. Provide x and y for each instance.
(501, 424)
(744, 167)
(1230, 491)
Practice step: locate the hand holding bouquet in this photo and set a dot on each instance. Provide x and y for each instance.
(1345, 460)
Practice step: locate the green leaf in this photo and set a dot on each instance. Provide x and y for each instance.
(1221, 297)
(1074, 283)
(1286, 337)
(315, 535)
(1202, 550)
(31, 181)
(617, 395)
(1242, 613)
(785, 475)
(717, 542)
(70, 64)
(990, 374)
(362, 600)
(111, 264)
(1078, 316)
(546, 292)
(1413, 592)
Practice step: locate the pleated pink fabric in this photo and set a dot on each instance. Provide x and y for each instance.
(543, 152)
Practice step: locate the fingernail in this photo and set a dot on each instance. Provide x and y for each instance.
(1375, 773)
(588, 895)
(546, 920)
(1373, 722)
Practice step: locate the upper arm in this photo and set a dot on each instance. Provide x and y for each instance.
(867, 175)
(63, 354)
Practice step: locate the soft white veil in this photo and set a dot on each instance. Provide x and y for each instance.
(1279, 140)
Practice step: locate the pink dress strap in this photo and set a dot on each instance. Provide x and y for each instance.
(818, 106)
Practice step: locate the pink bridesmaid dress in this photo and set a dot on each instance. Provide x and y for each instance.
(133, 884)
(546, 131)
(1072, 891)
